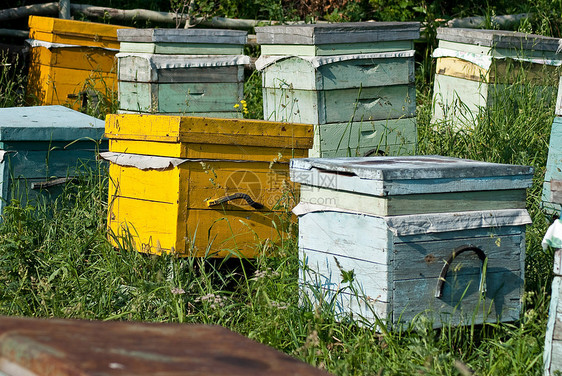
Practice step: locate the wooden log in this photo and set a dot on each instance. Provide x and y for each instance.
(480, 21)
(35, 9)
(14, 33)
(64, 9)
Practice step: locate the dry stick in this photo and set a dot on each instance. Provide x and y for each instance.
(64, 9)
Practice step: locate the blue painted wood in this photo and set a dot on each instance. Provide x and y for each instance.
(47, 123)
(553, 167)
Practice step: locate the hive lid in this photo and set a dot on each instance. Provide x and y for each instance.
(385, 176)
(183, 36)
(498, 39)
(201, 130)
(350, 32)
(47, 123)
(91, 34)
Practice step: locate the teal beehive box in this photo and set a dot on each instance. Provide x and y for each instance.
(42, 147)
(395, 238)
(353, 81)
(552, 356)
(181, 71)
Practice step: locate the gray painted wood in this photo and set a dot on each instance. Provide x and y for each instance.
(337, 106)
(47, 123)
(142, 68)
(499, 53)
(558, 109)
(387, 176)
(553, 168)
(164, 48)
(498, 38)
(211, 114)
(183, 35)
(348, 32)
(301, 75)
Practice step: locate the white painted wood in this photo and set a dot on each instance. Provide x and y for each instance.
(558, 262)
(552, 356)
(558, 109)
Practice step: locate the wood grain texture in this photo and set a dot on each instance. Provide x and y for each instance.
(163, 48)
(553, 168)
(349, 32)
(498, 39)
(337, 106)
(301, 75)
(179, 97)
(335, 49)
(85, 58)
(184, 36)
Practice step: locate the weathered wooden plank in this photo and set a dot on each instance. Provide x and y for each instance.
(301, 75)
(179, 97)
(499, 53)
(335, 49)
(337, 106)
(142, 68)
(163, 48)
(558, 109)
(348, 32)
(204, 130)
(553, 169)
(498, 38)
(557, 270)
(415, 204)
(184, 36)
(422, 260)
(371, 278)
(221, 115)
(44, 164)
(389, 149)
(344, 234)
(207, 151)
(461, 302)
(31, 346)
(487, 232)
(86, 58)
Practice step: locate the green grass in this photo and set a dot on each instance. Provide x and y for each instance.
(56, 261)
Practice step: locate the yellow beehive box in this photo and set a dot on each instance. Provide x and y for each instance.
(201, 186)
(69, 58)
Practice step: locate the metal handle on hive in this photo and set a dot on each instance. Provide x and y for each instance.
(457, 251)
(235, 196)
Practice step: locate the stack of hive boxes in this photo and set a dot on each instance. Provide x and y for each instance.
(391, 238)
(70, 58)
(474, 67)
(354, 82)
(41, 147)
(182, 71)
(198, 186)
(552, 188)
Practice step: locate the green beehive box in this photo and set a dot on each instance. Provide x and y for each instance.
(347, 79)
(181, 71)
(474, 67)
(41, 147)
(552, 188)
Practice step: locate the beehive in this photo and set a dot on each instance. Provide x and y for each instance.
(201, 186)
(41, 147)
(552, 356)
(70, 58)
(354, 82)
(391, 238)
(182, 71)
(473, 68)
(31, 346)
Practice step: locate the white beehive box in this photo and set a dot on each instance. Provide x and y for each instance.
(394, 221)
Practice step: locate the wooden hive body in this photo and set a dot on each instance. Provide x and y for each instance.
(202, 76)
(164, 169)
(70, 57)
(43, 144)
(473, 67)
(342, 78)
(552, 188)
(391, 223)
(552, 356)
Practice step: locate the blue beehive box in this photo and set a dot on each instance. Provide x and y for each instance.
(41, 147)
(393, 238)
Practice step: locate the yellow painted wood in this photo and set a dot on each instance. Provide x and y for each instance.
(49, 85)
(85, 58)
(166, 211)
(56, 30)
(503, 71)
(207, 151)
(240, 132)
